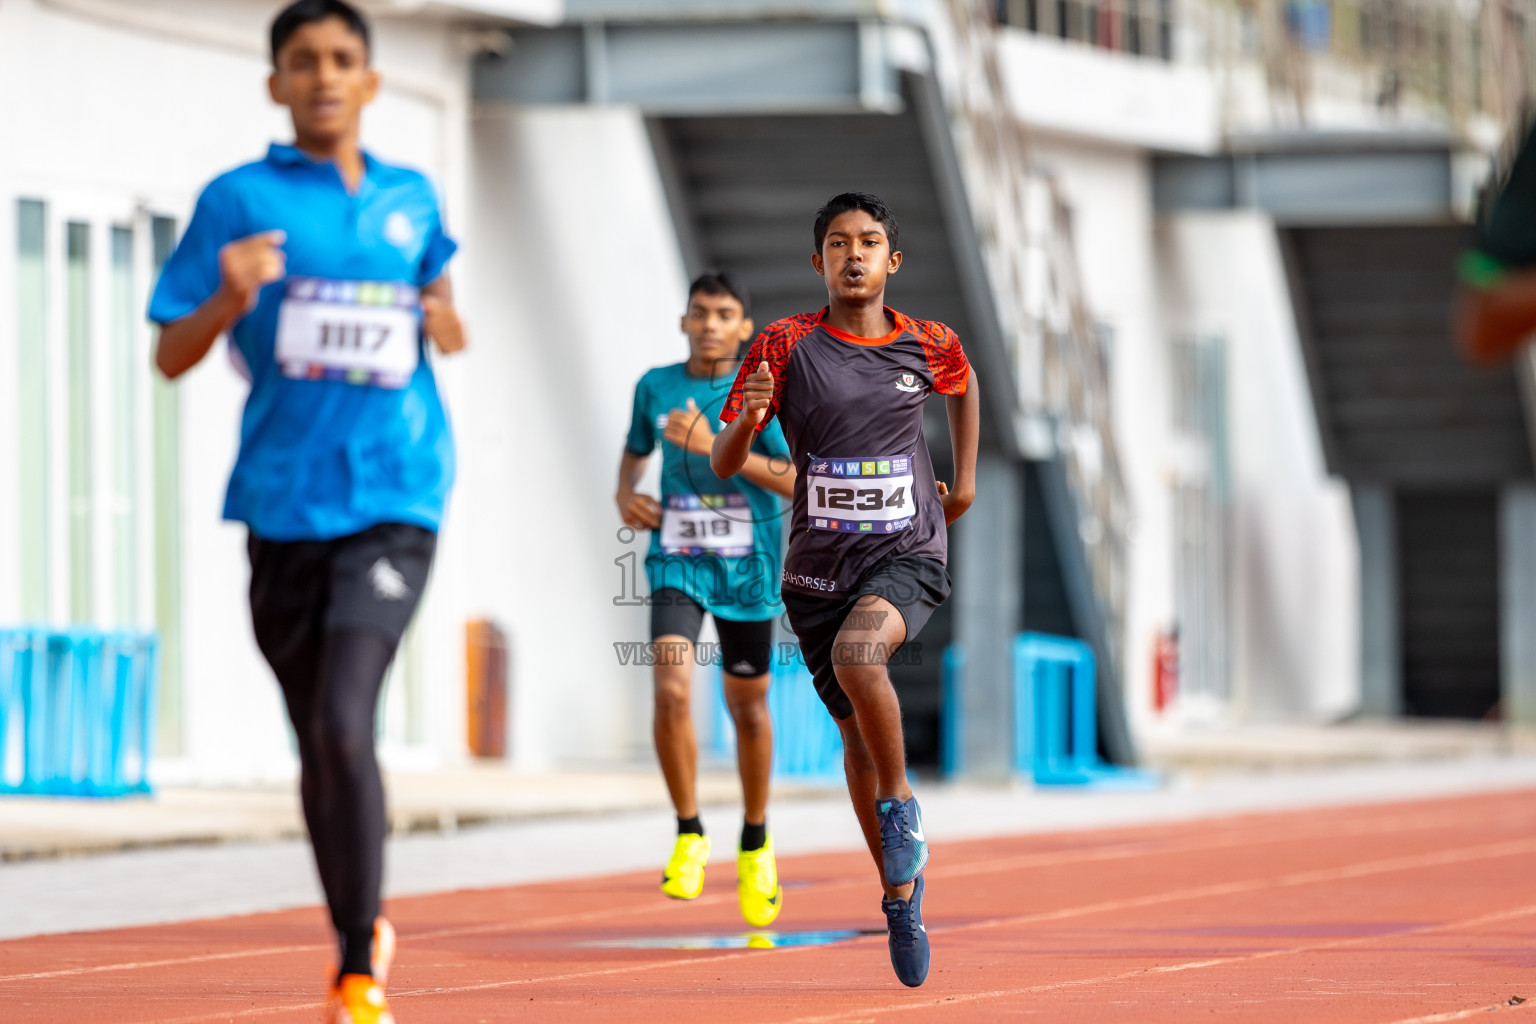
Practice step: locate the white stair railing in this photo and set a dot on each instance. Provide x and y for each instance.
(1062, 376)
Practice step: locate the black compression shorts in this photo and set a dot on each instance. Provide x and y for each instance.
(746, 648)
(915, 586)
(370, 580)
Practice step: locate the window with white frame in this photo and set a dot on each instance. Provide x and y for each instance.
(1201, 521)
(97, 465)
(33, 488)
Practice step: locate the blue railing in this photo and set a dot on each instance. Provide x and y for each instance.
(807, 745)
(951, 735)
(77, 711)
(1055, 716)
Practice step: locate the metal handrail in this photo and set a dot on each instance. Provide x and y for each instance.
(1471, 63)
(1023, 225)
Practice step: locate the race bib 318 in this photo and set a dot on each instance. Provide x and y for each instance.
(707, 524)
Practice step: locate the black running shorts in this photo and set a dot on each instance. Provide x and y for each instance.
(370, 580)
(746, 648)
(915, 585)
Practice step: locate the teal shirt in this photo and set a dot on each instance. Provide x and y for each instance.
(722, 540)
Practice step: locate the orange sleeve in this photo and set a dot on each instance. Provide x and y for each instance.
(772, 346)
(946, 359)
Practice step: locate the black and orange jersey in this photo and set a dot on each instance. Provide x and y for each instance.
(852, 411)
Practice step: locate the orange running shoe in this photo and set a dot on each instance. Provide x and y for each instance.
(359, 998)
(383, 949)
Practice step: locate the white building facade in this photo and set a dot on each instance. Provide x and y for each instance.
(116, 112)
(110, 513)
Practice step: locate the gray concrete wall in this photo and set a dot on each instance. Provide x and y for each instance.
(1381, 685)
(1517, 603)
(988, 565)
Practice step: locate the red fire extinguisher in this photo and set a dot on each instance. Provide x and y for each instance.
(1165, 669)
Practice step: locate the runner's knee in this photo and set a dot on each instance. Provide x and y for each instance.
(672, 698)
(352, 673)
(749, 713)
(343, 743)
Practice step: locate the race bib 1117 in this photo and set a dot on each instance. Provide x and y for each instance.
(361, 332)
(865, 495)
(707, 524)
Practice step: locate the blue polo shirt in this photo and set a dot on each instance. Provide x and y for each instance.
(324, 456)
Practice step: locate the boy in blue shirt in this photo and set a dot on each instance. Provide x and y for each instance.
(715, 547)
(326, 269)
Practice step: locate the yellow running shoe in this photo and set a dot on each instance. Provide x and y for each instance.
(358, 999)
(684, 877)
(757, 885)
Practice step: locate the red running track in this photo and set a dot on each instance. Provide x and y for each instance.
(1389, 913)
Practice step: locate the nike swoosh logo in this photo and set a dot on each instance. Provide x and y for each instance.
(917, 830)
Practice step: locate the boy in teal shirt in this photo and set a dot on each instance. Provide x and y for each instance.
(716, 549)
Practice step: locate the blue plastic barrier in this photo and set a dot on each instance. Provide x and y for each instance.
(807, 745)
(77, 711)
(951, 742)
(1056, 718)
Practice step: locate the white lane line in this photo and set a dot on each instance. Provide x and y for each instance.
(1000, 865)
(870, 1012)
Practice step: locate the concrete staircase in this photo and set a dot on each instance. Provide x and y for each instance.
(1395, 402)
(1403, 417)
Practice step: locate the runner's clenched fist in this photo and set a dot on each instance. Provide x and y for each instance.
(640, 511)
(757, 394)
(246, 264)
(689, 430)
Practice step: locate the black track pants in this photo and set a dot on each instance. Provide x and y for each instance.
(328, 617)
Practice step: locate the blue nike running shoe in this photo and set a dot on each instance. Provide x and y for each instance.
(903, 847)
(908, 937)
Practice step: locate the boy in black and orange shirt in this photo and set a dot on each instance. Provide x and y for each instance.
(869, 532)
(1496, 312)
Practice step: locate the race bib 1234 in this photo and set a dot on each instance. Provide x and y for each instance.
(864, 495)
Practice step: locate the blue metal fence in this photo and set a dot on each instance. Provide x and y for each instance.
(77, 711)
(807, 745)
